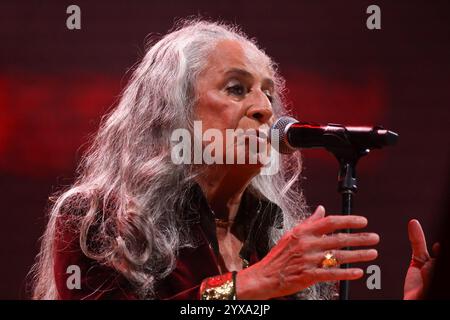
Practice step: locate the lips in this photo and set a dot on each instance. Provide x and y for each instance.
(260, 134)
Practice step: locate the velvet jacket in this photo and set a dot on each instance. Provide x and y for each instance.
(255, 216)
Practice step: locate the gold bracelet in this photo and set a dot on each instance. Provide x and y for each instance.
(221, 287)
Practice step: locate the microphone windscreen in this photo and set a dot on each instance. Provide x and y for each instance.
(281, 125)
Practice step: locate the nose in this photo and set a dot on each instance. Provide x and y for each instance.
(260, 109)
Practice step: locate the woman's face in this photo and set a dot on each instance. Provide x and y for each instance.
(235, 90)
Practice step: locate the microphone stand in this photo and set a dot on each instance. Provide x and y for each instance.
(346, 146)
(347, 156)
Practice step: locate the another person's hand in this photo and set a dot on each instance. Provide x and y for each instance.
(419, 272)
(295, 263)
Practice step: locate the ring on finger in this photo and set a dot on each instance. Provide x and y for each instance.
(329, 260)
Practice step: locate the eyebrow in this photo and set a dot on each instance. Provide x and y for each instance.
(247, 74)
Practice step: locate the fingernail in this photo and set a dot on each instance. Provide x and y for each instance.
(358, 272)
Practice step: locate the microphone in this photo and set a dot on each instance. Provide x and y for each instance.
(294, 134)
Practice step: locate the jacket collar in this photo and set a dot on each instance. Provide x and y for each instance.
(256, 216)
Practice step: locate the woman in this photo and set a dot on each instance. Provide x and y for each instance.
(137, 225)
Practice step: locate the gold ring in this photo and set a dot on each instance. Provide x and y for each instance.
(329, 261)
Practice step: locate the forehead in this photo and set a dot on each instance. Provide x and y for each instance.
(232, 54)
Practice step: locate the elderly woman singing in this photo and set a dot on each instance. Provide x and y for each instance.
(138, 225)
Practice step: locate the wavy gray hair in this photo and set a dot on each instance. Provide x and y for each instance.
(128, 169)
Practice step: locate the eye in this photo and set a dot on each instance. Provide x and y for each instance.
(269, 95)
(237, 90)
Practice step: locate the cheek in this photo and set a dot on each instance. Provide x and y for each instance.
(218, 111)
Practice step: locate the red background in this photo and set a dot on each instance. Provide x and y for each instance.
(55, 84)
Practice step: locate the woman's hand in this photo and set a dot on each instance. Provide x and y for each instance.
(295, 262)
(421, 266)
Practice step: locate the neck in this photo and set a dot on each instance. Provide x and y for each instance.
(223, 189)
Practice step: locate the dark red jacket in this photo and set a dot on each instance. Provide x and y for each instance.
(98, 281)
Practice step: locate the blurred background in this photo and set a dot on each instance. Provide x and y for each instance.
(55, 84)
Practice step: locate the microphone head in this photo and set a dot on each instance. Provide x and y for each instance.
(391, 138)
(280, 128)
(383, 137)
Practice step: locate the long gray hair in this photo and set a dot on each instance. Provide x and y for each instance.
(128, 168)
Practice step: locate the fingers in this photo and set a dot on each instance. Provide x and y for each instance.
(318, 214)
(341, 240)
(333, 223)
(349, 256)
(335, 274)
(418, 242)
